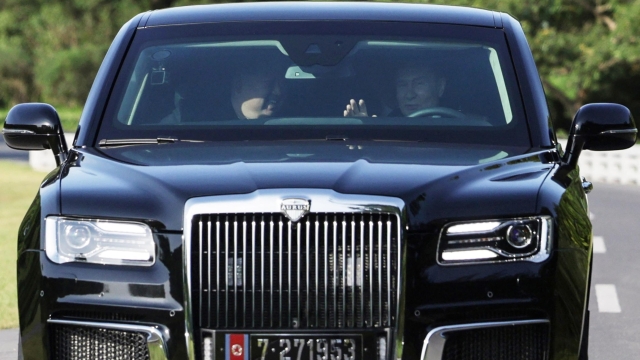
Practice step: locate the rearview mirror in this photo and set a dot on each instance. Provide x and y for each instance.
(600, 127)
(35, 126)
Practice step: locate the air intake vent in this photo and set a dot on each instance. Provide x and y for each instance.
(522, 342)
(81, 343)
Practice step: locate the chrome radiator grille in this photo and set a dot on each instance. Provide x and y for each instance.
(264, 272)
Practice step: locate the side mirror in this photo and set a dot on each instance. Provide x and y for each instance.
(600, 127)
(35, 126)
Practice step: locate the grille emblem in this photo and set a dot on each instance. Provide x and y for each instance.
(295, 209)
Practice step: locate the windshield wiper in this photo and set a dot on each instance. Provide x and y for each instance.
(129, 142)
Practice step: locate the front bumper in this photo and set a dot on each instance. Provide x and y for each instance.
(164, 329)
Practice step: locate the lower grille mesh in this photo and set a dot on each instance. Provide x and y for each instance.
(79, 343)
(522, 342)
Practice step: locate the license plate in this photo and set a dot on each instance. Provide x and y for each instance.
(296, 347)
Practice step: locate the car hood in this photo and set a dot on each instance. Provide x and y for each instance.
(436, 182)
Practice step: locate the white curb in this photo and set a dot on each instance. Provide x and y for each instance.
(613, 167)
(43, 160)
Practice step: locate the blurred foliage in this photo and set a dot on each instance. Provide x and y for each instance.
(586, 50)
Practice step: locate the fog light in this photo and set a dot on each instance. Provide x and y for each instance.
(519, 236)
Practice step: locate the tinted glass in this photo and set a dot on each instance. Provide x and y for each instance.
(318, 81)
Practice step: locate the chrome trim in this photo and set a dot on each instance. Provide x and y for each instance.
(217, 269)
(380, 287)
(234, 271)
(362, 262)
(262, 271)
(326, 272)
(20, 132)
(253, 272)
(268, 201)
(436, 339)
(389, 271)
(354, 269)
(371, 272)
(335, 269)
(280, 266)
(226, 271)
(200, 266)
(209, 269)
(271, 269)
(244, 269)
(156, 335)
(188, 313)
(621, 131)
(298, 275)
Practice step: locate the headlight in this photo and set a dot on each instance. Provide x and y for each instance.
(520, 239)
(99, 241)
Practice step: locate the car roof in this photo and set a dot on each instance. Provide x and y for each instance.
(357, 11)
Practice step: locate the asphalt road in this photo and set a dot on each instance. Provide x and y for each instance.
(614, 329)
(616, 273)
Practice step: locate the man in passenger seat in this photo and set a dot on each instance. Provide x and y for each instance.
(418, 87)
(255, 92)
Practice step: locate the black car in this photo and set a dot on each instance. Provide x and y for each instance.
(336, 181)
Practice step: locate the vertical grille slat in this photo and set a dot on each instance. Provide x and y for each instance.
(271, 268)
(307, 273)
(389, 259)
(280, 268)
(253, 273)
(343, 268)
(370, 262)
(298, 266)
(233, 271)
(217, 270)
(201, 262)
(289, 249)
(244, 278)
(262, 273)
(362, 276)
(354, 282)
(226, 272)
(334, 269)
(317, 256)
(209, 290)
(327, 271)
(326, 274)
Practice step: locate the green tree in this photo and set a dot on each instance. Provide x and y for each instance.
(586, 50)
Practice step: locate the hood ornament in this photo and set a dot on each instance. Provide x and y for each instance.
(295, 209)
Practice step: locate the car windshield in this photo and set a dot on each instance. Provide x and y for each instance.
(317, 81)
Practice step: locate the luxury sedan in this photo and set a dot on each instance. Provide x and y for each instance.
(298, 181)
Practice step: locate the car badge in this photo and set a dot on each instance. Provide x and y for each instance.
(295, 209)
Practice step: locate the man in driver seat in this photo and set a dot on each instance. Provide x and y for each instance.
(418, 87)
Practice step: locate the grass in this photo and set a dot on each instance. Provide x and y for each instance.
(69, 117)
(20, 185)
